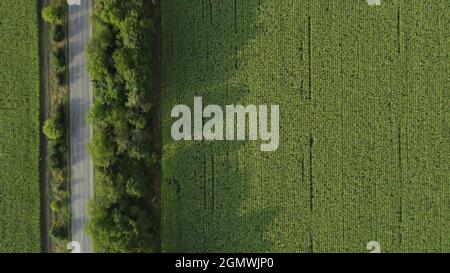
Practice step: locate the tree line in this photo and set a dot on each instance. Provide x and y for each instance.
(121, 68)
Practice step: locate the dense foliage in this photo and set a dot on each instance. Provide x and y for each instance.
(121, 68)
(52, 129)
(19, 127)
(51, 14)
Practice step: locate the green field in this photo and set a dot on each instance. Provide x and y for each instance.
(364, 95)
(19, 127)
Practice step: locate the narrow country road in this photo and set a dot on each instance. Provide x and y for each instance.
(82, 184)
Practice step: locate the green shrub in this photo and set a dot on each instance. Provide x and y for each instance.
(56, 152)
(135, 188)
(60, 232)
(59, 58)
(51, 15)
(55, 206)
(52, 129)
(58, 33)
(61, 78)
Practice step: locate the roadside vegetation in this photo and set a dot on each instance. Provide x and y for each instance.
(121, 68)
(20, 207)
(57, 126)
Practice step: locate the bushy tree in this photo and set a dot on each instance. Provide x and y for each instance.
(60, 232)
(102, 150)
(55, 206)
(58, 33)
(59, 58)
(52, 129)
(51, 14)
(135, 188)
(56, 151)
(61, 78)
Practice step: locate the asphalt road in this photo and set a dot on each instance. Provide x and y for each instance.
(82, 179)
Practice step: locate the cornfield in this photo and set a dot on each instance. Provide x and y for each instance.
(19, 127)
(364, 153)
